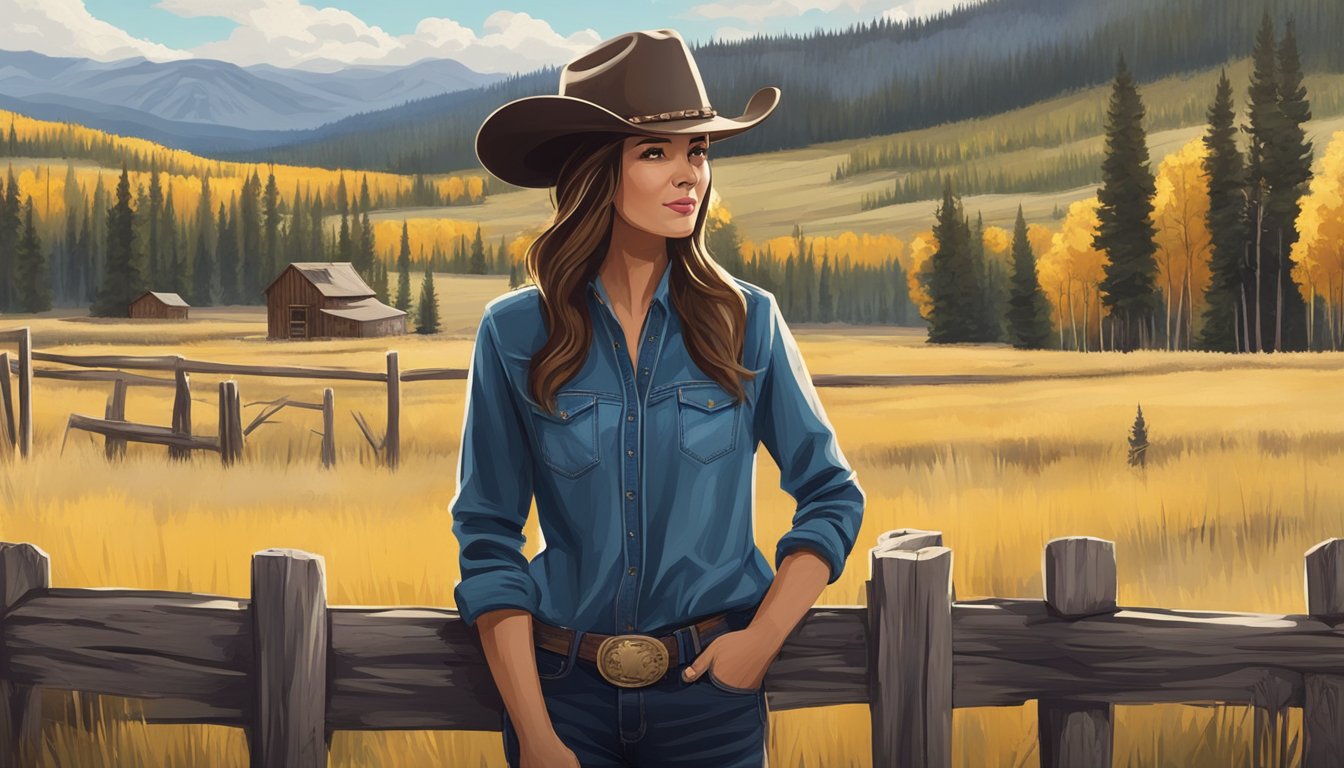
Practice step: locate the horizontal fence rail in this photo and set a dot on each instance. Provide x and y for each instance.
(290, 670)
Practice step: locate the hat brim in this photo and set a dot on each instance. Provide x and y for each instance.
(525, 141)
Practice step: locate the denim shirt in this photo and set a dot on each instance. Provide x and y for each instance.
(644, 479)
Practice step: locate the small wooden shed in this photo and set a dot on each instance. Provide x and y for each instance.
(159, 306)
(327, 299)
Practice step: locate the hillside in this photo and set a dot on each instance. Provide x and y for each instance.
(879, 79)
(768, 193)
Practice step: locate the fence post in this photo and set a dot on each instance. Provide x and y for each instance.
(7, 401)
(225, 454)
(181, 410)
(910, 650)
(1080, 581)
(23, 567)
(25, 392)
(116, 411)
(392, 441)
(1323, 702)
(230, 423)
(289, 626)
(328, 428)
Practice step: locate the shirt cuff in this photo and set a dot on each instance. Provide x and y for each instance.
(825, 544)
(492, 590)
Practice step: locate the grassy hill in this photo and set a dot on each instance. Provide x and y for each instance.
(768, 192)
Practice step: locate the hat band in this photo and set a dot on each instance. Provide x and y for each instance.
(677, 115)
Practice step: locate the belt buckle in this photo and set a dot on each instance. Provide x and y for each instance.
(632, 661)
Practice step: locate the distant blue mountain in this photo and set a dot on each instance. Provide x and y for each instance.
(208, 106)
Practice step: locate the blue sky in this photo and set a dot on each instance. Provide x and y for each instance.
(321, 34)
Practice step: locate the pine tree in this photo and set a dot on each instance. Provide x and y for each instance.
(1126, 231)
(153, 221)
(34, 279)
(1138, 441)
(1226, 221)
(1028, 309)
(1293, 164)
(174, 277)
(10, 230)
(367, 246)
(825, 302)
(477, 254)
(270, 260)
(119, 276)
(1266, 121)
(952, 284)
(404, 271)
(204, 274)
(427, 309)
(226, 252)
(502, 257)
(71, 268)
(249, 236)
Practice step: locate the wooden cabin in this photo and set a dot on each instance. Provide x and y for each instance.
(327, 299)
(159, 306)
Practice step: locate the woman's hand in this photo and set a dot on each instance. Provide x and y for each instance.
(739, 659)
(546, 752)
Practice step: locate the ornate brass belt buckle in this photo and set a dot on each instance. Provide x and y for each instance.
(631, 661)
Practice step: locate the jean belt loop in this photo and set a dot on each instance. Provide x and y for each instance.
(683, 646)
(574, 648)
(695, 639)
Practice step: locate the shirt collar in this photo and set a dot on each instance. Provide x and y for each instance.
(659, 293)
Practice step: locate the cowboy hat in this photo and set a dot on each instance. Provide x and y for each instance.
(638, 83)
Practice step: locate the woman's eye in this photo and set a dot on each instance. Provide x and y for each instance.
(652, 149)
(704, 151)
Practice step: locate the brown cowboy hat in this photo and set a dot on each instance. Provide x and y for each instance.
(637, 83)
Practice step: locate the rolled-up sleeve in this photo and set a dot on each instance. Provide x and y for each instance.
(494, 490)
(792, 425)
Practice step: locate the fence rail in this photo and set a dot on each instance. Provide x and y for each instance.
(290, 670)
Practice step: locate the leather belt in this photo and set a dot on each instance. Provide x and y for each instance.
(628, 661)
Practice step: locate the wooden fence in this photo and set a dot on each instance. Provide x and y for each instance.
(290, 670)
(229, 439)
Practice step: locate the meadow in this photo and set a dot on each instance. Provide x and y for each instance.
(1242, 478)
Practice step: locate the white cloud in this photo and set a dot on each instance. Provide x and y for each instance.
(289, 33)
(66, 28)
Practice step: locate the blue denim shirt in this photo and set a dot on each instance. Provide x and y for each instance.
(644, 479)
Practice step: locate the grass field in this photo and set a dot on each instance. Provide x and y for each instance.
(1242, 479)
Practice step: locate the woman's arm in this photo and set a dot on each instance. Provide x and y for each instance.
(496, 594)
(506, 637)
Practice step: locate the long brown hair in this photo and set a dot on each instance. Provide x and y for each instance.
(566, 256)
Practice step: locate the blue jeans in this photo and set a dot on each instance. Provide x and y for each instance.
(669, 723)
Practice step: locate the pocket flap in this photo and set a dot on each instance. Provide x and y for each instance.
(568, 406)
(707, 398)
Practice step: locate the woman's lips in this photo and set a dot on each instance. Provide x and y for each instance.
(684, 209)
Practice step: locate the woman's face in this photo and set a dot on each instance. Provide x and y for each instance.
(663, 183)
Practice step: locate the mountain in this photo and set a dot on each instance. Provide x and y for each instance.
(874, 79)
(203, 105)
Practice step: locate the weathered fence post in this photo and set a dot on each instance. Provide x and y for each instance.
(289, 625)
(115, 447)
(181, 410)
(25, 392)
(1323, 702)
(230, 423)
(392, 441)
(910, 650)
(7, 401)
(1080, 581)
(23, 567)
(328, 428)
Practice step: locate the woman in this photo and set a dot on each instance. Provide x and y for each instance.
(627, 390)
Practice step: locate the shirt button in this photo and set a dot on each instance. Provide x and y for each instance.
(630, 417)
(615, 345)
(629, 494)
(631, 534)
(651, 338)
(629, 627)
(630, 453)
(632, 570)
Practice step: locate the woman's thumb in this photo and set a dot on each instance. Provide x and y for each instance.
(697, 667)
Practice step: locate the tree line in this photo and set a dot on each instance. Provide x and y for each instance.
(1233, 214)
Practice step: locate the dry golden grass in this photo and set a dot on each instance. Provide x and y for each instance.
(1241, 480)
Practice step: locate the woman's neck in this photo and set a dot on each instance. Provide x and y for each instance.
(633, 265)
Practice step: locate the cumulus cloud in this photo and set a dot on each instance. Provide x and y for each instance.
(66, 28)
(290, 33)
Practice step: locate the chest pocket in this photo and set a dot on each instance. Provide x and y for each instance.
(707, 418)
(568, 437)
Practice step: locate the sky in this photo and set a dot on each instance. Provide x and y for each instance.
(513, 36)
